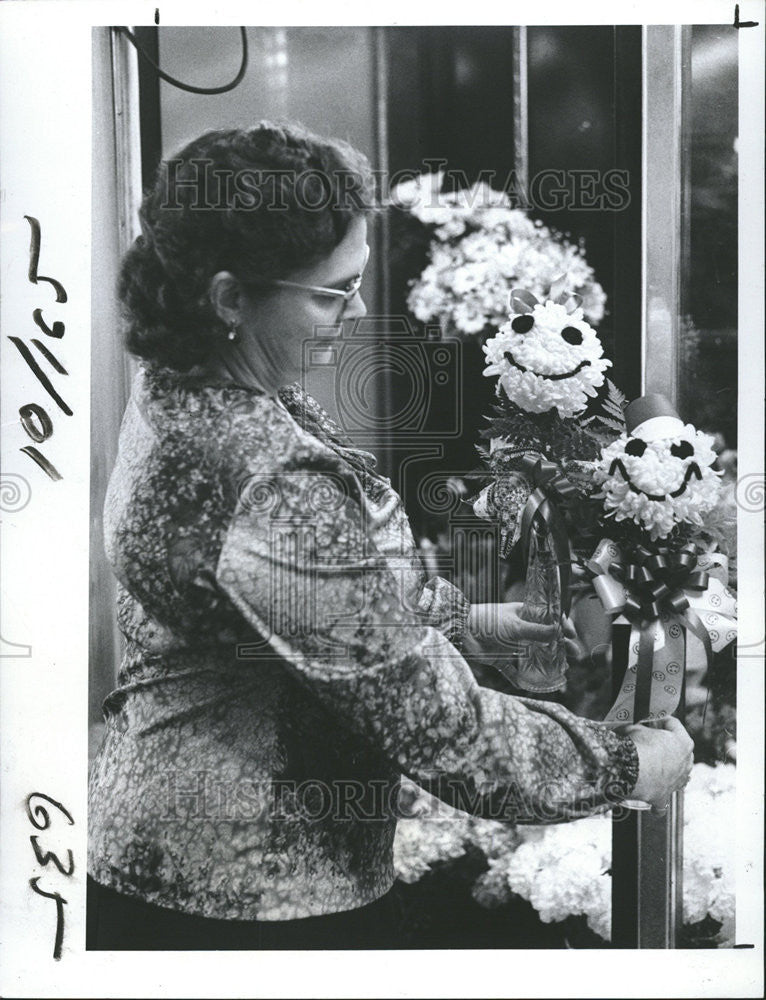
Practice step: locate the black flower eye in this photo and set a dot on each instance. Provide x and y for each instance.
(635, 447)
(523, 324)
(682, 450)
(572, 335)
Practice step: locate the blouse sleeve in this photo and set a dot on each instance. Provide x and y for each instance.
(444, 606)
(298, 563)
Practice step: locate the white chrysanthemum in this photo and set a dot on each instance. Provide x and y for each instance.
(561, 869)
(431, 831)
(709, 846)
(491, 889)
(469, 319)
(524, 362)
(420, 843)
(478, 225)
(659, 472)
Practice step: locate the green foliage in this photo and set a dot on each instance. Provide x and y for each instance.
(609, 423)
(615, 403)
(556, 438)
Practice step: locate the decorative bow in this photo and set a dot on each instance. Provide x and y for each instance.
(546, 478)
(523, 301)
(656, 581)
(654, 588)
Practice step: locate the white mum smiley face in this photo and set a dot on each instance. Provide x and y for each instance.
(547, 357)
(658, 465)
(662, 482)
(533, 341)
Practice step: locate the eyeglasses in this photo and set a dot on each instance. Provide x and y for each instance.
(347, 293)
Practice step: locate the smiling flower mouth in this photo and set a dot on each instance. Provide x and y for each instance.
(553, 378)
(692, 470)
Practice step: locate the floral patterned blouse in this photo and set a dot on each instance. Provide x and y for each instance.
(286, 661)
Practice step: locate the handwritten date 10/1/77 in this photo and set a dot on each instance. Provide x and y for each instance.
(34, 418)
(39, 816)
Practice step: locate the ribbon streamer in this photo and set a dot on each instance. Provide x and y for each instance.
(655, 592)
(546, 477)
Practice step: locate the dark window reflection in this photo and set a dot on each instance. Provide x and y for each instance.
(708, 390)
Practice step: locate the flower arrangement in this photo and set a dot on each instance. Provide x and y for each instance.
(549, 364)
(661, 483)
(480, 249)
(599, 492)
(548, 357)
(625, 494)
(563, 870)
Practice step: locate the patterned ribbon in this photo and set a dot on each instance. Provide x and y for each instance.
(655, 593)
(546, 478)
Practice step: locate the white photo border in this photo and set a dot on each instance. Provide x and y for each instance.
(45, 173)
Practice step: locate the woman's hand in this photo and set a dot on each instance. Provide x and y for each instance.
(665, 758)
(496, 630)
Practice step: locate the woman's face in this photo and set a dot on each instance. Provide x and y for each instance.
(277, 329)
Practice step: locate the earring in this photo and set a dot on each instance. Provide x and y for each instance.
(232, 335)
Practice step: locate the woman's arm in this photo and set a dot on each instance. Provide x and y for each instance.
(486, 632)
(442, 605)
(298, 562)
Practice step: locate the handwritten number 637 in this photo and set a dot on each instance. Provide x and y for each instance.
(39, 816)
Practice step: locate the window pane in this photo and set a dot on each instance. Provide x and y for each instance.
(708, 362)
(321, 77)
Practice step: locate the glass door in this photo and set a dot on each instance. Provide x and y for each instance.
(689, 355)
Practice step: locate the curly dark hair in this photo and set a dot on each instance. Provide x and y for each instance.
(265, 200)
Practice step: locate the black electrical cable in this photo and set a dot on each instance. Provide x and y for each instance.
(188, 86)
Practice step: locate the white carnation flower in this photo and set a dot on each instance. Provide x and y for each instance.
(562, 872)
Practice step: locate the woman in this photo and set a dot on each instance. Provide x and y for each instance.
(286, 658)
